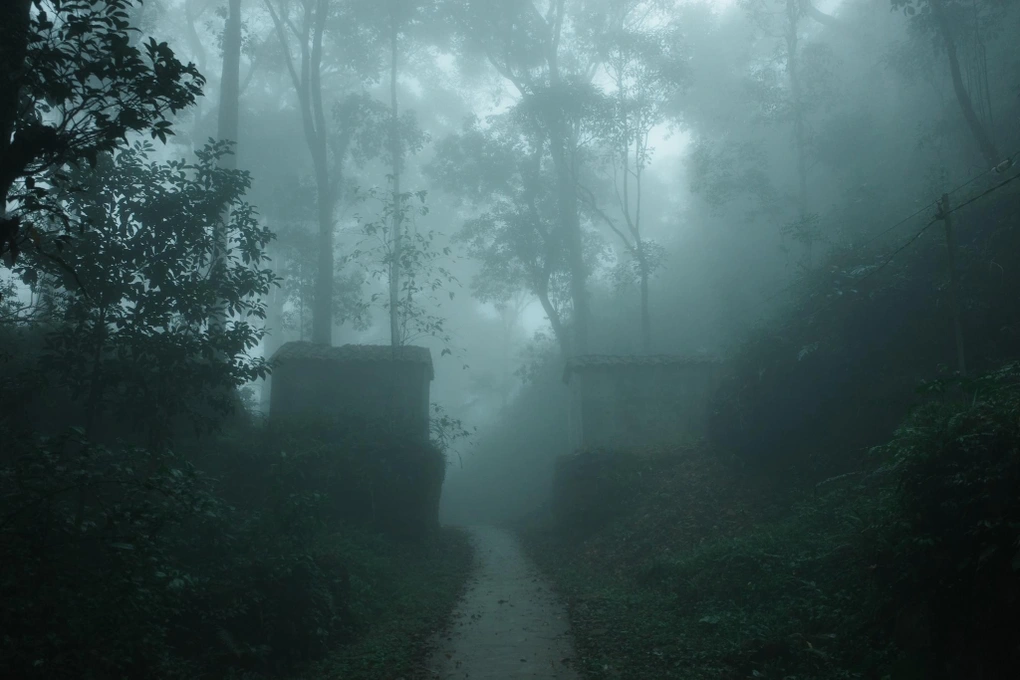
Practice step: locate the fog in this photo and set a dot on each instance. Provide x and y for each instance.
(521, 187)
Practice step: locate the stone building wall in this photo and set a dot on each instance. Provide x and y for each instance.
(368, 381)
(638, 401)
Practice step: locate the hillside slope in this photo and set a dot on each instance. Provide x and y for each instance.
(905, 569)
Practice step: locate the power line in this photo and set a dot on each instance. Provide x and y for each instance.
(941, 216)
(984, 193)
(1008, 163)
(787, 288)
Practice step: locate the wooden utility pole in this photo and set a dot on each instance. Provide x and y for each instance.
(945, 214)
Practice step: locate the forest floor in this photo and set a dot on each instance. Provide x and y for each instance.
(689, 578)
(509, 623)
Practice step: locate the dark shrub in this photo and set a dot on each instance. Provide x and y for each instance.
(119, 562)
(835, 370)
(958, 465)
(352, 470)
(88, 576)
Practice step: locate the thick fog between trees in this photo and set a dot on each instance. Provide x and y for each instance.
(608, 254)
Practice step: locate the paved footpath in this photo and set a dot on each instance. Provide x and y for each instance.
(509, 624)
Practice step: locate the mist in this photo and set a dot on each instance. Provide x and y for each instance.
(331, 324)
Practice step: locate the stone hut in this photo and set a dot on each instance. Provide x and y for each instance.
(374, 381)
(627, 401)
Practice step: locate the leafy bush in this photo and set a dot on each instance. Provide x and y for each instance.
(129, 338)
(836, 369)
(90, 580)
(700, 575)
(908, 569)
(129, 563)
(590, 487)
(957, 461)
(335, 471)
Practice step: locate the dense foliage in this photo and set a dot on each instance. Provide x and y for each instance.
(151, 525)
(78, 78)
(957, 464)
(235, 556)
(907, 569)
(836, 370)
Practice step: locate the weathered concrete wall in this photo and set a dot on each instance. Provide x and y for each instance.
(628, 405)
(339, 381)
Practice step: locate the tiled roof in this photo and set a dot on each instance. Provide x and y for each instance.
(356, 353)
(590, 361)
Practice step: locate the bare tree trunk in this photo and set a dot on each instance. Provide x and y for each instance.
(510, 314)
(566, 184)
(192, 13)
(230, 80)
(274, 321)
(227, 131)
(793, 16)
(646, 317)
(396, 338)
(793, 8)
(322, 298)
(555, 322)
(981, 136)
(308, 86)
(571, 225)
(273, 339)
(322, 311)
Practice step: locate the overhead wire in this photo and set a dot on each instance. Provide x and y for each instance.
(1008, 163)
(938, 218)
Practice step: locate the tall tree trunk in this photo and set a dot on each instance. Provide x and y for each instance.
(192, 13)
(793, 17)
(322, 310)
(322, 299)
(566, 199)
(308, 86)
(554, 320)
(977, 129)
(227, 131)
(570, 222)
(198, 113)
(273, 338)
(566, 185)
(396, 338)
(230, 81)
(646, 317)
(800, 145)
(540, 275)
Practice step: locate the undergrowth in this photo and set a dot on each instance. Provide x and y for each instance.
(907, 569)
(787, 598)
(116, 561)
(403, 596)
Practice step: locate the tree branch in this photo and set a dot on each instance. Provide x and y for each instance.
(316, 75)
(282, 36)
(589, 199)
(809, 9)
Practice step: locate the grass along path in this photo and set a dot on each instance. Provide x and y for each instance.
(405, 594)
(692, 577)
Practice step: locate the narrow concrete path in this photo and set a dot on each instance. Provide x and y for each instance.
(509, 624)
